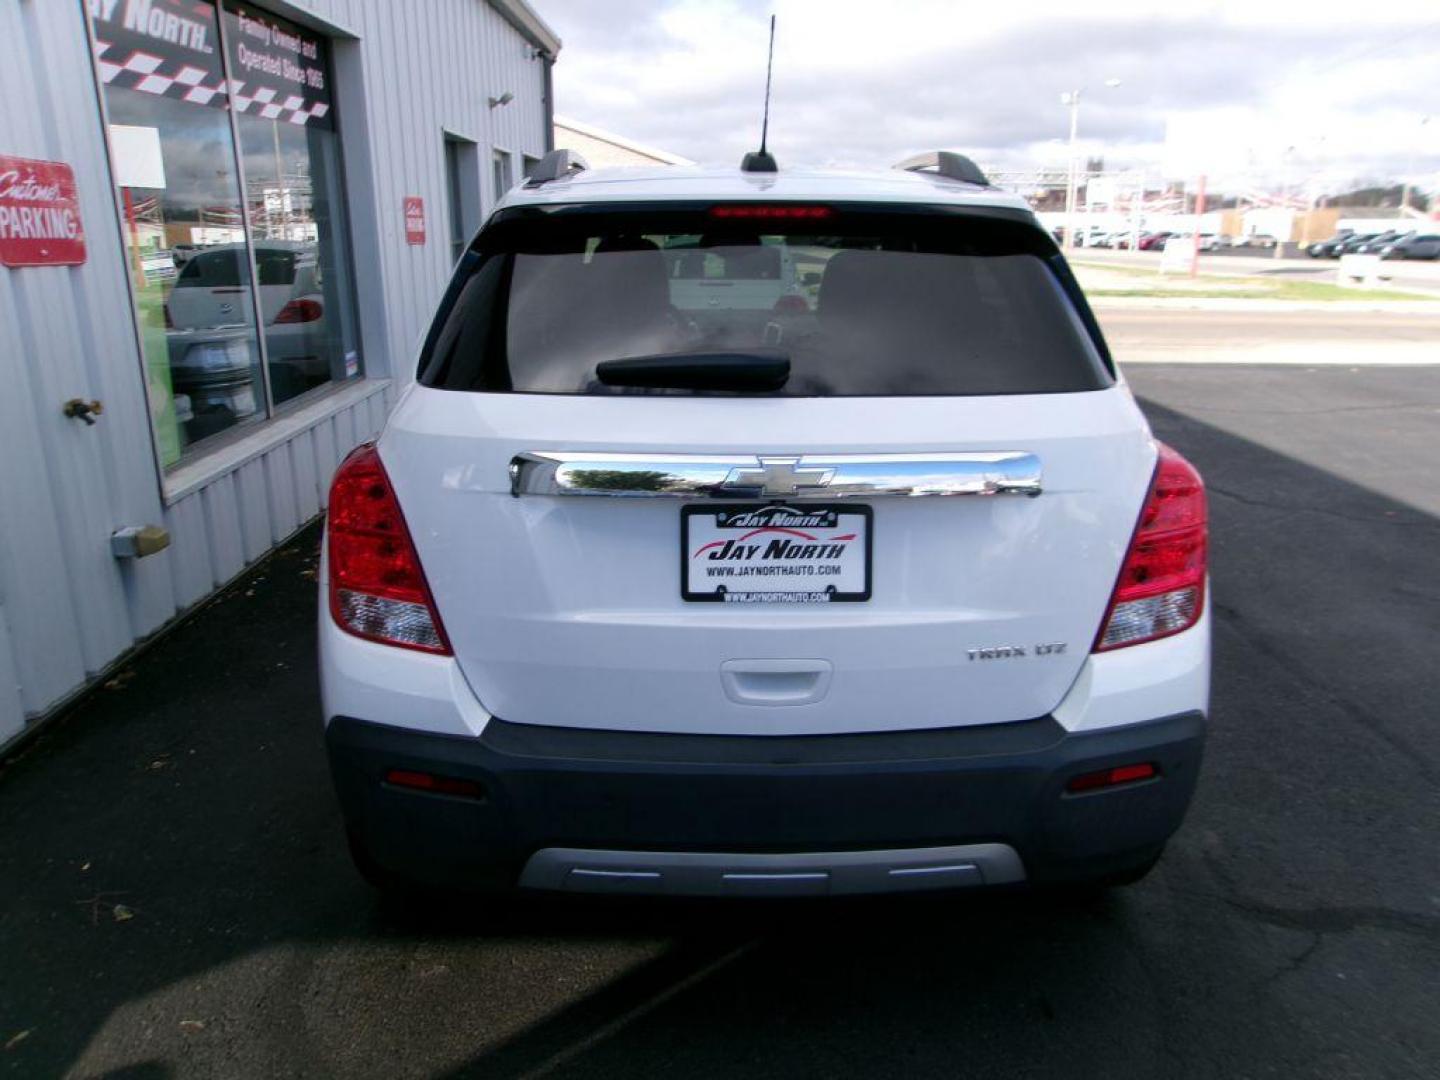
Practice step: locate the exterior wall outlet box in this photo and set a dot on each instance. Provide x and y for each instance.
(137, 541)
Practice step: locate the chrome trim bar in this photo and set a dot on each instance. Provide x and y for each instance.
(767, 476)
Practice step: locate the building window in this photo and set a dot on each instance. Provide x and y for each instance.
(462, 191)
(226, 155)
(503, 177)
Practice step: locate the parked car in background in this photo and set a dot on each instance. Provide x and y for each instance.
(210, 291)
(1329, 248)
(1413, 246)
(652, 592)
(1375, 244)
(1352, 244)
(209, 329)
(1154, 241)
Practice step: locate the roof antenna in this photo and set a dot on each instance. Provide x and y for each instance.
(762, 160)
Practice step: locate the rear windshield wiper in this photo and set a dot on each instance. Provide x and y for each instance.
(752, 369)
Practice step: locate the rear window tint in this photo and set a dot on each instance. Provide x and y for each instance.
(223, 269)
(211, 270)
(875, 305)
(274, 267)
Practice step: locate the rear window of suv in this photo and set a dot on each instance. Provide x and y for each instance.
(862, 303)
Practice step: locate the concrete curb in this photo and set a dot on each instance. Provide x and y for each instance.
(1227, 303)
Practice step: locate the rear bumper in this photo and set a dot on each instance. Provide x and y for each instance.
(558, 799)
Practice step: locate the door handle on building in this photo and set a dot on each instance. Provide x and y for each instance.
(80, 409)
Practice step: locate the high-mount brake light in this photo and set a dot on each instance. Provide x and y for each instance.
(377, 588)
(752, 211)
(1161, 589)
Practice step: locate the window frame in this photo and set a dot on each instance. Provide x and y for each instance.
(501, 158)
(462, 189)
(212, 444)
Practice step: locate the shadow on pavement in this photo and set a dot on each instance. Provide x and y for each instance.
(1291, 930)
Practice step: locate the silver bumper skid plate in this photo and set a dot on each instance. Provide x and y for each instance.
(835, 873)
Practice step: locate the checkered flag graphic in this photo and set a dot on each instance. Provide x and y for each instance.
(151, 74)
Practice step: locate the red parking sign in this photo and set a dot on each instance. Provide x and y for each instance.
(414, 219)
(39, 214)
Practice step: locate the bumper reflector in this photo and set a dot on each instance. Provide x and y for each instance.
(437, 785)
(1121, 774)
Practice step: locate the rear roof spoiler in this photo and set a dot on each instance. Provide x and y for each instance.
(945, 163)
(556, 165)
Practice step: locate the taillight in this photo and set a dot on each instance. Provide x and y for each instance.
(790, 304)
(1161, 590)
(301, 310)
(377, 589)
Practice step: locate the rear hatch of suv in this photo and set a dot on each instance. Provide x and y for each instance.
(645, 504)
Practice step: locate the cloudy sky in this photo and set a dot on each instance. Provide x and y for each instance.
(1312, 93)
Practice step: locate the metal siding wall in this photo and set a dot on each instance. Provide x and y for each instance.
(67, 607)
(431, 67)
(67, 332)
(12, 708)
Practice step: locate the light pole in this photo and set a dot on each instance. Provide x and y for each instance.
(1409, 168)
(1280, 242)
(1071, 98)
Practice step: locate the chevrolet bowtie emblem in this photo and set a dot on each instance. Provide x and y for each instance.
(779, 476)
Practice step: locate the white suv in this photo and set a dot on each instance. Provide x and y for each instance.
(644, 591)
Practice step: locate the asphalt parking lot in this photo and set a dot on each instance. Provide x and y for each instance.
(175, 898)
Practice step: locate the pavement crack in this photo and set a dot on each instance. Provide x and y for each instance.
(1321, 920)
(1294, 963)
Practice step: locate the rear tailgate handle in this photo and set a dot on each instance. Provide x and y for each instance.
(775, 682)
(815, 476)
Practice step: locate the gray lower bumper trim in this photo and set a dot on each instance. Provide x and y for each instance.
(694, 873)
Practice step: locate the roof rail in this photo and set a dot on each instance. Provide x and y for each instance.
(945, 163)
(556, 165)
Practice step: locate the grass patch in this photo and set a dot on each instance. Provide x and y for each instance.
(1215, 286)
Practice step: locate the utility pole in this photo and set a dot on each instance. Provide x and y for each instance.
(1281, 241)
(1137, 210)
(1195, 239)
(1073, 100)
(1409, 168)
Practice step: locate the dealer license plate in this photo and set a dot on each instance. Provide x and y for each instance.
(749, 554)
